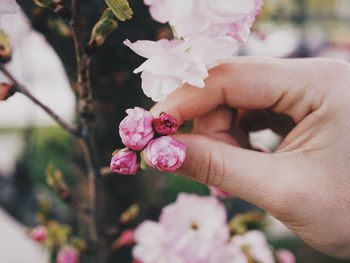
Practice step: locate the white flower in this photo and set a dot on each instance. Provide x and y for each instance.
(189, 231)
(8, 7)
(256, 244)
(152, 245)
(171, 63)
(228, 254)
(191, 17)
(196, 225)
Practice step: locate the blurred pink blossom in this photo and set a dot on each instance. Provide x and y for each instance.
(39, 234)
(136, 129)
(153, 245)
(125, 162)
(197, 225)
(8, 7)
(228, 254)
(165, 153)
(165, 124)
(256, 243)
(189, 231)
(192, 17)
(285, 256)
(217, 192)
(67, 254)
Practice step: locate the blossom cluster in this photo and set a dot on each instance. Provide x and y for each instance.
(140, 131)
(194, 230)
(205, 32)
(56, 237)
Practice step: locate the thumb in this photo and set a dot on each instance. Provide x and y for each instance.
(247, 174)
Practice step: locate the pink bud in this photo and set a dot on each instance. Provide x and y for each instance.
(217, 192)
(125, 239)
(67, 254)
(165, 124)
(165, 153)
(39, 234)
(285, 256)
(125, 162)
(136, 129)
(6, 91)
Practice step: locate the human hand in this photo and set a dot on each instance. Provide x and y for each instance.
(305, 182)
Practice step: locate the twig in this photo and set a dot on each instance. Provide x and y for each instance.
(22, 89)
(85, 114)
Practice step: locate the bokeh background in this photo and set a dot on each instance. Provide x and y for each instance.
(43, 60)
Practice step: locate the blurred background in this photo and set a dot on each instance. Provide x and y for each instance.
(43, 61)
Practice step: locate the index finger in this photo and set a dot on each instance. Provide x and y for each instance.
(243, 83)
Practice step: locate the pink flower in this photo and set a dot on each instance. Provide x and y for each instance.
(165, 124)
(217, 192)
(285, 256)
(67, 254)
(196, 225)
(189, 231)
(39, 234)
(228, 254)
(171, 63)
(165, 153)
(8, 7)
(153, 245)
(241, 29)
(255, 242)
(136, 129)
(192, 17)
(125, 162)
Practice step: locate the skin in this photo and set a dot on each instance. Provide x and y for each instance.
(305, 182)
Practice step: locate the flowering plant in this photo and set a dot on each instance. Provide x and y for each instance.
(205, 32)
(141, 131)
(195, 229)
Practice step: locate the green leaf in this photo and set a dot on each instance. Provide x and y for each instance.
(103, 28)
(121, 9)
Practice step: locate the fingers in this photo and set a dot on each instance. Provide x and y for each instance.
(220, 124)
(248, 83)
(247, 174)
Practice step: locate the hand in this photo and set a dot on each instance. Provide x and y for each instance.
(306, 182)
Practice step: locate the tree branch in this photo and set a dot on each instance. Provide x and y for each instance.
(22, 89)
(86, 115)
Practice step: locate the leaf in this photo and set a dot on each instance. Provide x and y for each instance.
(121, 9)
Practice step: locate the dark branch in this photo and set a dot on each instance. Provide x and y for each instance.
(22, 89)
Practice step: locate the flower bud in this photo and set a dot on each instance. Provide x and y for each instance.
(165, 124)
(121, 9)
(126, 238)
(5, 47)
(39, 234)
(55, 180)
(6, 91)
(125, 162)
(165, 153)
(55, 5)
(130, 214)
(136, 129)
(103, 28)
(67, 254)
(217, 192)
